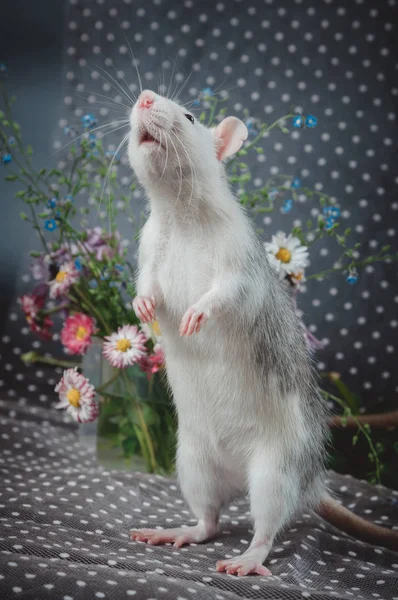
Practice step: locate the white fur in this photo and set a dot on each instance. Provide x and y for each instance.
(231, 438)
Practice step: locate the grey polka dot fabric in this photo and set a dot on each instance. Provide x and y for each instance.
(64, 530)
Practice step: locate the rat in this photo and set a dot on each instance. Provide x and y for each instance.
(251, 418)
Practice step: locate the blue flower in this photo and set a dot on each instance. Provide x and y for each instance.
(287, 206)
(250, 127)
(114, 284)
(78, 263)
(352, 277)
(93, 284)
(207, 92)
(50, 224)
(311, 121)
(329, 223)
(52, 203)
(196, 102)
(273, 194)
(11, 140)
(67, 198)
(6, 159)
(332, 212)
(296, 183)
(119, 267)
(3, 69)
(89, 121)
(298, 121)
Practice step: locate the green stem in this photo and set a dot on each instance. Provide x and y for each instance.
(92, 308)
(50, 311)
(212, 112)
(38, 228)
(355, 263)
(361, 428)
(143, 425)
(33, 357)
(264, 129)
(103, 386)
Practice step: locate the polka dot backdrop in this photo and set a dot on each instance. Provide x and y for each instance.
(64, 521)
(64, 525)
(336, 60)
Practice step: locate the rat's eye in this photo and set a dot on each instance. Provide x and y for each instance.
(190, 118)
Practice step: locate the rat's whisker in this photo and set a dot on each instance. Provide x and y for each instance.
(176, 97)
(117, 89)
(112, 123)
(180, 167)
(160, 145)
(109, 171)
(126, 93)
(167, 157)
(172, 75)
(134, 60)
(193, 170)
(115, 105)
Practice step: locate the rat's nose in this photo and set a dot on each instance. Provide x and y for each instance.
(146, 99)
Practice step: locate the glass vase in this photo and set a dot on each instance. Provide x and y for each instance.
(136, 426)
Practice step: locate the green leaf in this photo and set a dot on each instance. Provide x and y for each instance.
(23, 216)
(34, 254)
(351, 399)
(10, 177)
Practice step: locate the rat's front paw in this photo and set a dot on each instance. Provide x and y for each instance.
(193, 320)
(144, 308)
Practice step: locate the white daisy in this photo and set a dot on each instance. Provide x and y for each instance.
(125, 347)
(66, 276)
(77, 395)
(287, 255)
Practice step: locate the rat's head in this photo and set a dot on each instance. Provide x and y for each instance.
(172, 152)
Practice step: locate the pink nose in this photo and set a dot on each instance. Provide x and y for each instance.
(146, 99)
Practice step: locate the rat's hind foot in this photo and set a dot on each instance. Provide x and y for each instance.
(180, 536)
(250, 562)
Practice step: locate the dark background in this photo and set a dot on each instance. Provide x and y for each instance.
(337, 61)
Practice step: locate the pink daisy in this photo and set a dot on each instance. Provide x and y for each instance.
(66, 276)
(125, 347)
(76, 334)
(152, 363)
(40, 324)
(77, 395)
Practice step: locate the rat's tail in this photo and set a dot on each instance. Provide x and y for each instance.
(359, 528)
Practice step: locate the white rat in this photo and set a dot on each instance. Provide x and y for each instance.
(250, 415)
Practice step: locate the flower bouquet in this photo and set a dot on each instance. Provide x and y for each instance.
(84, 273)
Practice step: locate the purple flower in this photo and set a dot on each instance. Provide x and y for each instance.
(39, 268)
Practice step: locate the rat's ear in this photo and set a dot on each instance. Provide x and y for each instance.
(229, 135)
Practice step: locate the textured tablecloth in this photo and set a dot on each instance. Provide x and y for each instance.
(64, 525)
